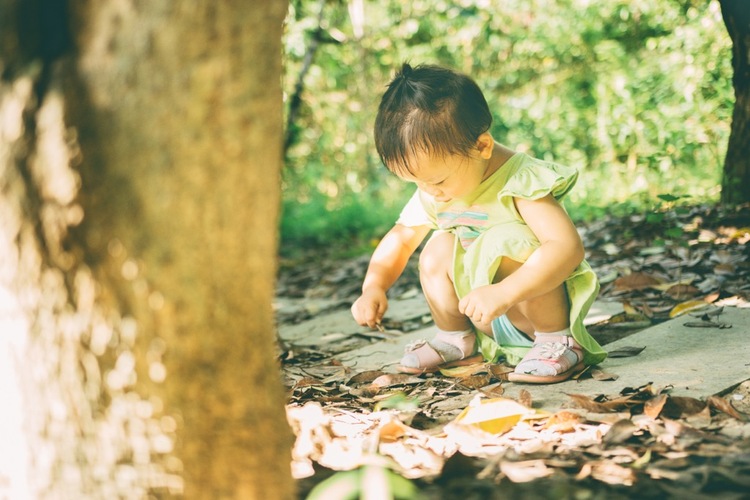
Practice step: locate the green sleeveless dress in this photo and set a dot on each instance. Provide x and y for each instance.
(488, 227)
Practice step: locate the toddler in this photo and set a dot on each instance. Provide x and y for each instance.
(504, 272)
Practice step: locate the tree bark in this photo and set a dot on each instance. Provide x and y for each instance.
(144, 183)
(735, 188)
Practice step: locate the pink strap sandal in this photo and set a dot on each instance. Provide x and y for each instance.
(444, 351)
(549, 350)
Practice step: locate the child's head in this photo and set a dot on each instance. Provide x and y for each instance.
(430, 110)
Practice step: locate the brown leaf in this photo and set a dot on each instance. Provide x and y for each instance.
(475, 381)
(707, 324)
(721, 404)
(523, 472)
(635, 281)
(682, 292)
(700, 420)
(365, 393)
(626, 352)
(726, 269)
(493, 391)
(365, 377)
(603, 376)
(392, 431)
(712, 297)
(628, 320)
(524, 397)
(653, 406)
(585, 402)
(621, 431)
(500, 371)
(680, 406)
(685, 436)
(612, 473)
(391, 379)
(605, 405)
(307, 382)
(563, 421)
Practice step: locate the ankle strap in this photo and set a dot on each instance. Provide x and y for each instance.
(566, 340)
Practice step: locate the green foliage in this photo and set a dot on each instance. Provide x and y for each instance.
(635, 94)
(338, 222)
(360, 483)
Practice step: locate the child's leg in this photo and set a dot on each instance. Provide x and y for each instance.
(455, 342)
(545, 318)
(436, 277)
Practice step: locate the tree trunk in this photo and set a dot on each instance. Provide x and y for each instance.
(735, 186)
(142, 176)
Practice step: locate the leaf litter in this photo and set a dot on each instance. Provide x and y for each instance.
(458, 428)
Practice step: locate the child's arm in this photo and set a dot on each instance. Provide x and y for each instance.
(560, 252)
(387, 263)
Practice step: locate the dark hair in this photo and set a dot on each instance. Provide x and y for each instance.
(429, 109)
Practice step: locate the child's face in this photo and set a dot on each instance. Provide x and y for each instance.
(447, 178)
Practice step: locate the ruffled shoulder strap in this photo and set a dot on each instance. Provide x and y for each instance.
(533, 179)
(419, 211)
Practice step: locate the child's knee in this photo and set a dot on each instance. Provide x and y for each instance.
(437, 256)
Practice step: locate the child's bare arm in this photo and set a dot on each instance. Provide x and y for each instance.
(560, 252)
(387, 263)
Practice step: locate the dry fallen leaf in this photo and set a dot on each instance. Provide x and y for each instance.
(725, 406)
(475, 381)
(391, 431)
(464, 371)
(706, 323)
(393, 379)
(682, 292)
(308, 382)
(523, 472)
(524, 397)
(621, 431)
(654, 406)
(365, 377)
(612, 473)
(687, 307)
(493, 415)
(681, 406)
(628, 320)
(493, 391)
(625, 352)
(585, 402)
(500, 371)
(635, 281)
(603, 376)
(563, 421)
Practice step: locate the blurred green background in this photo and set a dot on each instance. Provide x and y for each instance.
(635, 94)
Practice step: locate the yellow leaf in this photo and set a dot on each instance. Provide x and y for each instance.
(464, 371)
(742, 232)
(495, 416)
(688, 306)
(643, 461)
(663, 287)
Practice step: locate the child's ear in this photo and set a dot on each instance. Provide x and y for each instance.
(485, 145)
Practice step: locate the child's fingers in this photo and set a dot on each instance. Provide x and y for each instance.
(373, 316)
(462, 306)
(465, 306)
(378, 316)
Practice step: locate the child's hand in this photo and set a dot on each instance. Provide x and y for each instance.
(369, 308)
(483, 304)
